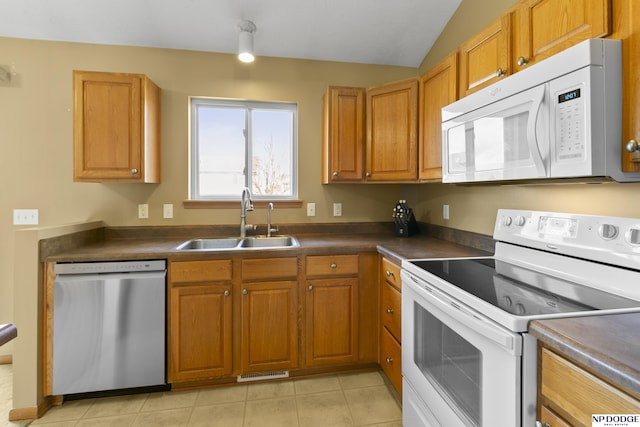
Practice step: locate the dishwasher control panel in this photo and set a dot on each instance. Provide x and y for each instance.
(109, 267)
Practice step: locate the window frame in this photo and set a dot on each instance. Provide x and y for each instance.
(197, 200)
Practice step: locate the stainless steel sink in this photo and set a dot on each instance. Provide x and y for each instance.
(237, 243)
(269, 242)
(210, 244)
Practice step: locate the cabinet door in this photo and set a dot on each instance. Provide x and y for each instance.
(438, 87)
(269, 326)
(392, 132)
(116, 128)
(200, 333)
(627, 29)
(331, 321)
(546, 27)
(343, 135)
(391, 359)
(486, 57)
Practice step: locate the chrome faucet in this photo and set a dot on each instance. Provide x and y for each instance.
(246, 205)
(269, 229)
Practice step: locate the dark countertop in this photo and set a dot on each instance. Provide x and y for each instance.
(145, 247)
(608, 346)
(7, 333)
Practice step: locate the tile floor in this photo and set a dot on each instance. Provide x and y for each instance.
(358, 399)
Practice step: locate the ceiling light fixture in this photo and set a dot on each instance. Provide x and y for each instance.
(245, 51)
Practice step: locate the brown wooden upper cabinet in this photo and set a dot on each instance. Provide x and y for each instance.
(438, 87)
(529, 32)
(116, 128)
(386, 149)
(545, 27)
(392, 132)
(486, 57)
(343, 135)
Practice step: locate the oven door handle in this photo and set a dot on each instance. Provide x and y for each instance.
(491, 331)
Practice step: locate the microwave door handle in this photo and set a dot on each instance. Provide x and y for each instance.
(532, 133)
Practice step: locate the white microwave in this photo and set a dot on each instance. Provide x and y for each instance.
(559, 118)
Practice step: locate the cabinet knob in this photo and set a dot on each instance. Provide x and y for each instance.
(500, 72)
(245, 291)
(227, 293)
(539, 424)
(310, 288)
(389, 360)
(368, 174)
(390, 310)
(134, 171)
(335, 174)
(522, 61)
(389, 274)
(334, 265)
(632, 146)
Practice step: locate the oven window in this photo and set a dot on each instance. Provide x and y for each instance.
(450, 363)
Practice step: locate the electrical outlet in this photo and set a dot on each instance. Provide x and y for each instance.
(445, 211)
(167, 210)
(25, 216)
(143, 211)
(311, 209)
(337, 209)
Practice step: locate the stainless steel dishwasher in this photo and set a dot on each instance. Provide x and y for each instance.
(108, 326)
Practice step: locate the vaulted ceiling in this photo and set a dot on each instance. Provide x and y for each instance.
(391, 32)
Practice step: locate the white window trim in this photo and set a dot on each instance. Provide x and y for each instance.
(194, 101)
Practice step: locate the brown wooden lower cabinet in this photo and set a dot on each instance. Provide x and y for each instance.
(331, 321)
(391, 359)
(269, 326)
(199, 319)
(246, 315)
(200, 332)
(569, 395)
(391, 315)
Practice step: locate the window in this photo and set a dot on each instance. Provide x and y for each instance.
(237, 144)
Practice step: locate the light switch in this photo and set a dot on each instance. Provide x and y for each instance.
(25, 216)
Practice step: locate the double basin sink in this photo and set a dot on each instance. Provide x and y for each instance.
(239, 243)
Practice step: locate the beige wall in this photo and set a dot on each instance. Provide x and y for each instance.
(36, 137)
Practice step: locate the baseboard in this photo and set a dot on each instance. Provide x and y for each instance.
(6, 360)
(33, 413)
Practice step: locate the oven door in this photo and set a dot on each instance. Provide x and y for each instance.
(464, 368)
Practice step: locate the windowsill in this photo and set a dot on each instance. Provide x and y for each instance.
(235, 204)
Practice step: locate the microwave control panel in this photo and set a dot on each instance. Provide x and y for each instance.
(570, 124)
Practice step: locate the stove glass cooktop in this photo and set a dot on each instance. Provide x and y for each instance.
(520, 291)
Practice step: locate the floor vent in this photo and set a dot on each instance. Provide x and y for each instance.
(263, 376)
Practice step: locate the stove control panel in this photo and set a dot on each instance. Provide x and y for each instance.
(614, 240)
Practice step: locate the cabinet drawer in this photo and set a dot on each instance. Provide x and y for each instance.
(391, 315)
(332, 265)
(391, 359)
(391, 273)
(580, 393)
(200, 271)
(270, 268)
